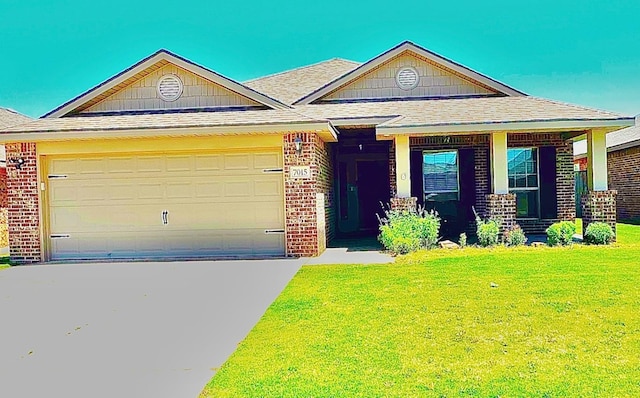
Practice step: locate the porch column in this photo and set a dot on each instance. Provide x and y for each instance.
(499, 165)
(599, 203)
(403, 167)
(501, 205)
(597, 160)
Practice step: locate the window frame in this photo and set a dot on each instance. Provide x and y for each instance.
(528, 189)
(436, 151)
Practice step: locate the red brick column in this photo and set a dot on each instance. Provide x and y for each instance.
(307, 200)
(599, 206)
(501, 207)
(409, 204)
(23, 203)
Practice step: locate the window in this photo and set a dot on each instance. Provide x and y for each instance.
(523, 181)
(440, 175)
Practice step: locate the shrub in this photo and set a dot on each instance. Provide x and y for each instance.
(515, 236)
(487, 231)
(463, 240)
(561, 233)
(598, 233)
(405, 231)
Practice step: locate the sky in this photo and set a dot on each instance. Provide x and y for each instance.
(582, 52)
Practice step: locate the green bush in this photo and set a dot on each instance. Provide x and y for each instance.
(515, 236)
(405, 231)
(488, 232)
(598, 233)
(463, 240)
(561, 233)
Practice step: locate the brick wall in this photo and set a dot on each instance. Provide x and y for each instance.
(624, 177)
(565, 188)
(3, 187)
(306, 234)
(502, 207)
(599, 206)
(23, 204)
(404, 204)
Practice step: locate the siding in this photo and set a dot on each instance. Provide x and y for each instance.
(435, 81)
(197, 93)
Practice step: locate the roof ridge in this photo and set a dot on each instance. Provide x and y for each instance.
(300, 68)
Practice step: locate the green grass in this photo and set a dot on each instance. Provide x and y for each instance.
(561, 322)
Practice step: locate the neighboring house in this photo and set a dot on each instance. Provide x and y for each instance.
(623, 158)
(8, 118)
(170, 159)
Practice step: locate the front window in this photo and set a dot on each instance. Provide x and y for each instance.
(523, 181)
(440, 175)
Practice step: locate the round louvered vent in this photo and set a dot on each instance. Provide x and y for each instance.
(407, 78)
(170, 87)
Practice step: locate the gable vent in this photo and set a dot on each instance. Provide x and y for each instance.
(407, 78)
(170, 87)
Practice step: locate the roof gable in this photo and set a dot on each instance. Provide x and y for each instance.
(438, 77)
(123, 86)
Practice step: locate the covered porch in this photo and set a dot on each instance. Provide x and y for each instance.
(515, 176)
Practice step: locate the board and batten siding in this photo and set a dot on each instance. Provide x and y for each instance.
(197, 93)
(434, 81)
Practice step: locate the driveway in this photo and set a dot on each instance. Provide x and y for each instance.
(128, 329)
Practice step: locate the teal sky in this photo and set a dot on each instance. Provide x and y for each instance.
(583, 52)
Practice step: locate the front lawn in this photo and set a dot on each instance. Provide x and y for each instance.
(473, 322)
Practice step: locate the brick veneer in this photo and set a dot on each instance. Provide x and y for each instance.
(23, 204)
(624, 177)
(306, 234)
(502, 207)
(599, 206)
(409, 204)
(3, 187)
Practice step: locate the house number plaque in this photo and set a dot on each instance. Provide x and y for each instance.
(300, 172)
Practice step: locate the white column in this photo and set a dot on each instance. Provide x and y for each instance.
(403, 165)
(499, 163)
(597, 160)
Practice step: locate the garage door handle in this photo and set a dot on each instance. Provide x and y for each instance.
(59, 236)
(165, 217)
(273, 231)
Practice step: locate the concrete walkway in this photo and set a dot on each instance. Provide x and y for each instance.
(128, 329)
(352, 251)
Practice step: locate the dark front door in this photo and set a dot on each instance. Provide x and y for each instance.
(362, 181)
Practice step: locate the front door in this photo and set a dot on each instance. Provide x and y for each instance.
(362, 182)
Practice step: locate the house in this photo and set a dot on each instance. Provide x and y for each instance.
(8, 118)
(169, 158)
(623, 165)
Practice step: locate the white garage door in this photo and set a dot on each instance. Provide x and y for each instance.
(166, 205)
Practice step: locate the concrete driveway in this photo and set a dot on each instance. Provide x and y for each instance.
(128, 329)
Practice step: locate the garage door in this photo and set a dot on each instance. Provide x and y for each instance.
(166, 205)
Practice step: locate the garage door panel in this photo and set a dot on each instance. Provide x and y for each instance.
(217, 204)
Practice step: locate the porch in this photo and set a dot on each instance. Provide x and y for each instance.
(525, 178)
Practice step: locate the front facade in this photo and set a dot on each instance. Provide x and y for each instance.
(623, 165)
(170, 159)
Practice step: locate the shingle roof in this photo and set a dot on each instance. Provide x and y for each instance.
(9, 118)
(457, 111)
(617, 140)
(291, 85)
(162, 121)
